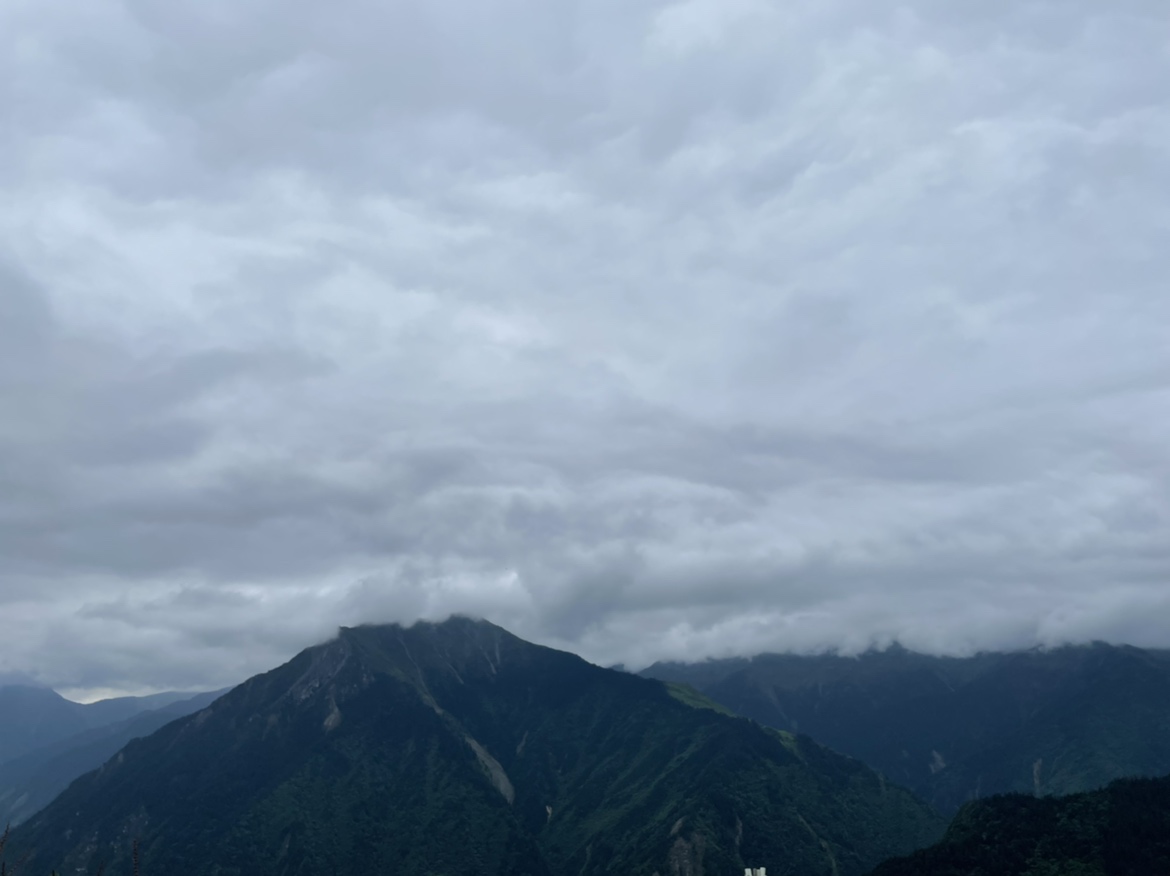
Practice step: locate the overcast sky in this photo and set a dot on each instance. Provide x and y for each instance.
(644, 329)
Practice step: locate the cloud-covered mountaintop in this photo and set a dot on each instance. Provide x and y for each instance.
(647, 329)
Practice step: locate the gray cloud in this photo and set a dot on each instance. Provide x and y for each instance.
(647, 329)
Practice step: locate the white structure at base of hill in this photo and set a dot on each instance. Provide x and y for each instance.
(755, 871)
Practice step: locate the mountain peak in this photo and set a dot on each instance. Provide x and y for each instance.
(457, 747)
(460, 647)
(452, 623)
(454, 629)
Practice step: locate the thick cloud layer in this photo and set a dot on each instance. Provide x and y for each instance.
(646, 329)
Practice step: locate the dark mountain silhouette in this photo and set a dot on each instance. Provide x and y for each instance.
(31, 781)
(954, 729)
(1122, 830)
(32, 716)
(457, 748)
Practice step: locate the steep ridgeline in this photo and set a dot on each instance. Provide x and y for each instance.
(1122, 830)
(30, 781)
(1042, 722)
(456, 748)
(32, 716)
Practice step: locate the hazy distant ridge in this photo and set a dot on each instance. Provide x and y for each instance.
(953, 729)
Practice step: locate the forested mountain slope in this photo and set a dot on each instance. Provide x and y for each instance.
(457, 748)
(1122, 830)
(954, 729)
(31, 781)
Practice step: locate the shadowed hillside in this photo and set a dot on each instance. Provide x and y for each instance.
(951, 729)
(32, 716)
(31, 781)
(1122, 830)
(457, 748)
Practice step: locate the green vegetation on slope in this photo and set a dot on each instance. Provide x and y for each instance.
(686, 694)
(950, 729)
(1121, 830)
(459, 749)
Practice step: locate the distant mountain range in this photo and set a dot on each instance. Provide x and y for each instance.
(1122, 830)
(31, 781)
(954, 729)
(33, 716)
(457, 748)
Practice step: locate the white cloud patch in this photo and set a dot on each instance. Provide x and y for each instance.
(647, 329)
